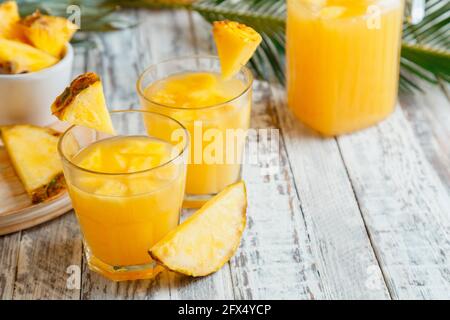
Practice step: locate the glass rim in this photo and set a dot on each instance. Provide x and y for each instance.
(243, 69)
(172, 159)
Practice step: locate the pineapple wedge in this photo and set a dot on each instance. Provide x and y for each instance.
(33, 153)
(235, 44)
(17, 57)
(9, 17)
(83, 103)
(204, 242)
(48, 33)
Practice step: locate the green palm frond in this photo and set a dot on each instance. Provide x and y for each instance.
(425, 48)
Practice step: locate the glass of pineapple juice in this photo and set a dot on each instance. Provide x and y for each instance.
(127, 190)
(215, 111)
(343, 61)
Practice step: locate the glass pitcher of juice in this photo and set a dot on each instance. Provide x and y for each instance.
(343, 62)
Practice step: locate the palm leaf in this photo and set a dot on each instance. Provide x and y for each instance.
(425, 48)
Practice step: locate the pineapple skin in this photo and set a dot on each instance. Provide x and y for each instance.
(48, 33)
(45, 191)
(83, 103)
(53, 188)
(77, 85)
(17, 57)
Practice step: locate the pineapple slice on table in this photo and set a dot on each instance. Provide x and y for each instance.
(235, 44)
(17, 57)
(9, 18)
(48, 33)
(83, 103)
(204, 242)
(33, 153)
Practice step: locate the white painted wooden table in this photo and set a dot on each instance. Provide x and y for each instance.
(364, 216)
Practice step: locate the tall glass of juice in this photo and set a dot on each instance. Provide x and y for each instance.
(215, 111)
(127, 190)
(343, 62)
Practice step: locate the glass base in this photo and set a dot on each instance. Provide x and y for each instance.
(122, 273)
(192, 201)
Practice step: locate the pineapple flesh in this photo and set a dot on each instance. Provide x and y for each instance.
(235, 44)
(17, 57)
(9, 18)
(204, 242)
(48, 33)
(33, 153)
(83, 103)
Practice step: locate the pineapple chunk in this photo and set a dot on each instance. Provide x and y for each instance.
(83, 103)
(33, 153)
(18, 57)
(204, 242)
(48, 33)
(235, 44)
(9, 18)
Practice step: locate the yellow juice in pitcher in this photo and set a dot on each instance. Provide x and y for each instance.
(207, 106)
(128, 207)
(343, 62)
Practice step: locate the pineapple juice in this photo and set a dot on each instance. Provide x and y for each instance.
(130, 206)
(343, 61)
(208, 107)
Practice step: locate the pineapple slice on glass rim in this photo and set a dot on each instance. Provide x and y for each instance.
(236, 43)
(83, 103)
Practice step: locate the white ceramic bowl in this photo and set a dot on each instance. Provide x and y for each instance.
(27, 97)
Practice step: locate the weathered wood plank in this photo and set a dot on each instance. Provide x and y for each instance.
(339, 242)
(95, 287)
(273, 262)
(429, 115)
(46, 252)
(9, 252)
(405, 205)
(114, 57)
(275, 259)
(215, 286)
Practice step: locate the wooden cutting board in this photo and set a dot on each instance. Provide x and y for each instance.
(16, 210)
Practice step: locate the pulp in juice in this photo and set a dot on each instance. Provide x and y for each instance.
(129, 199)
(204, 102)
